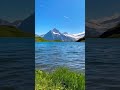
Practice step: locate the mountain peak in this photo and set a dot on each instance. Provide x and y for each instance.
(57, 35)
(55, 30)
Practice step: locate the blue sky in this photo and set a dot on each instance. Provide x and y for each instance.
(12, 10)
(102, 8)
(65, 15)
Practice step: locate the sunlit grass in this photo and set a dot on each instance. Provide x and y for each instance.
(60, 79)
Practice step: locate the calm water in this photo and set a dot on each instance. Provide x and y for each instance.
(17, 64)
(102, 64)
(49, 55)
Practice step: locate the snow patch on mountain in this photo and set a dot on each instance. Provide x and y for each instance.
(75, 36)
(56, 33)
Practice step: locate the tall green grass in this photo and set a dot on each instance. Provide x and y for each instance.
(60, 79)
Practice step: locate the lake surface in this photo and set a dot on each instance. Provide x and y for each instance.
(49, 55)
(102, 63)
(17, 63)
(100, 59)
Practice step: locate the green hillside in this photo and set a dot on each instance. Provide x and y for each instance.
(39, 39)
(114, 36)
(11, 31)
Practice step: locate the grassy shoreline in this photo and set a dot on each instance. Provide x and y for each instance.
(59, 79)
(40, 39)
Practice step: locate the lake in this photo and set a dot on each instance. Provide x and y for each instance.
(49, 55)
(102, 61)
(17, 63)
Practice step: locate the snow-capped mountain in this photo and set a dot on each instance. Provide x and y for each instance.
(75, 36)
(94, 28)
(57, 35)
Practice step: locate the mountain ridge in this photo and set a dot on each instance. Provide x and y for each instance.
(112, 33)
(95, 28)
(15, 23)
(28, 25)
(55, 34)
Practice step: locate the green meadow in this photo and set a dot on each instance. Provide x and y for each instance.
(40, 39)
(11, 31)
(59, 79)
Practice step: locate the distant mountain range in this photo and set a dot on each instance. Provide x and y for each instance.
(105, 27)
(18, 28)
(95, 28)
(28, 25)
(15, 23)
(66, 37)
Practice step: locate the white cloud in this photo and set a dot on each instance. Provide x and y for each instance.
(66, 17)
